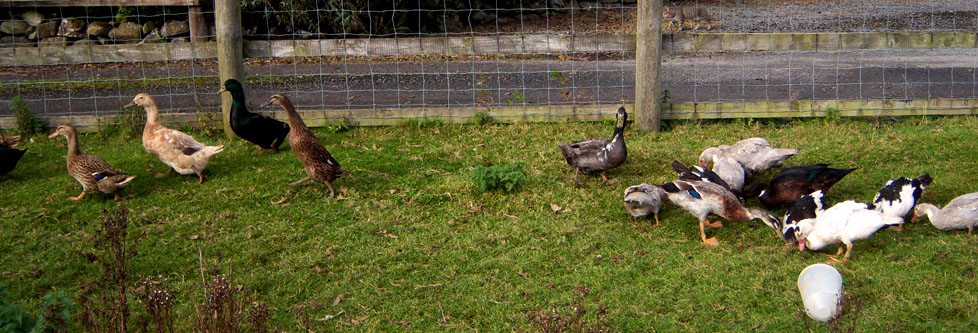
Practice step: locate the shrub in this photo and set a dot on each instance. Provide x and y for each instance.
(493, 177)
(55, 315)
(27, 123)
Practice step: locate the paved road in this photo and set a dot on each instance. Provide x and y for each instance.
(736, 76)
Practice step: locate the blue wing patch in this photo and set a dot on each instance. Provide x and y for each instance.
(695, 194)
(98, 176)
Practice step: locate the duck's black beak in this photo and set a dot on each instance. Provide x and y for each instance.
(267, 104)
(131, 104)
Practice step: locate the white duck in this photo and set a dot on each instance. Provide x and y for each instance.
(846, 222)
(644, 200)
(754, 154)
(900, 195)
(177, 149)
(730, 171)
(960, 213)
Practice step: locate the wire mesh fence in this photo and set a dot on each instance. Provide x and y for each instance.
(361, 56)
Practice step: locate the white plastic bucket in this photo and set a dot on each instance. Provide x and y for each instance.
(820, 286)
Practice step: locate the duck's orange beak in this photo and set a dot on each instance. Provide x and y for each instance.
(53, 135)
(915, 217)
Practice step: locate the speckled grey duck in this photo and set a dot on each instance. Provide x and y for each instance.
(644, 200)
(263, 131)
(598, 155)
(702, 198)
(319, 163)
(90, 171)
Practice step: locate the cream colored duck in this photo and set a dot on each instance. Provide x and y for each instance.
(845, 222)
(754, 154)
(90, 171)
(960, 213)
(174, 148)
(644, 200)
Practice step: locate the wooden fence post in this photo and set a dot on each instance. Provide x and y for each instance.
(648, 84)
(230, 59)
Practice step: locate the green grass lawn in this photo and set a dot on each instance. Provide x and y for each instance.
(412, 244)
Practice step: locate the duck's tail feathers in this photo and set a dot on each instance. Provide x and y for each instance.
(925, 179)
(126, 180)
(203, 157)
(892, 220)
(752, 190)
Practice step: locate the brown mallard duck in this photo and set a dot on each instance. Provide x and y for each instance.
(9, 141)
(702, 198)
(320, 164)
(177, 149)
(90, 171)
(598, 155)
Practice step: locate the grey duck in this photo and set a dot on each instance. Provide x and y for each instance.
(598, 155)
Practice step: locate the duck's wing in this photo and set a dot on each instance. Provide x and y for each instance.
(964, 207)
(181, 141)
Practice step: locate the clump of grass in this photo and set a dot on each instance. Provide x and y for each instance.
(130, 122)
(424, 123)
(506, 177)
(481, 118)
(572, 316)
(338, 127)
(104, 302)
(27, 123)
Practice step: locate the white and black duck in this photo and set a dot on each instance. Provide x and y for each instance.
(900, 195)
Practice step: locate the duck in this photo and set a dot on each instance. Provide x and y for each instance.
(960, 213)
(176, 149)
(644, 200)
(697, 173)
(90, 171)
(730, 171)
(267, 133)
(319, 163)
(701, 198)
(9, 157)
(899, 196)
(755, 155)
(794, 182)
(598, 155)
(845, 222)
(806, 207)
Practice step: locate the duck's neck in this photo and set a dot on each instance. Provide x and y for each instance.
(73, 149)
(295, 122)
(929, 210)
(152, 114)
(238, 104)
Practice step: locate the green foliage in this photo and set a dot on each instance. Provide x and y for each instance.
(27, 123)
(557, 75)
(13, 317)
(493, 177)
(339, 126)
(518, 98)
(481, 118)
(124, 14)
(831, 114)
(130, 122)
(55, 314)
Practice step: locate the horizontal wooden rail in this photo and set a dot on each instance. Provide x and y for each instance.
(557, 113)
(92, 3)
(542, 44)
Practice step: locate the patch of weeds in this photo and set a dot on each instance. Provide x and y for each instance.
(481, 118)
(832, 115)
(27, 123)
(666, 96)
(156, 296)
(493, 177)
(518, 98)
(556, 75)
(130, 122)
(55, 314)
(339, 126)
(258, 317)
(424, 123)
(222, 309)
(572, 316)
(104, 302)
